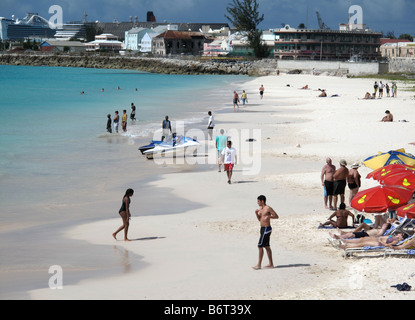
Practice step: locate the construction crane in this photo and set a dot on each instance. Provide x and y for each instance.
(321, 24)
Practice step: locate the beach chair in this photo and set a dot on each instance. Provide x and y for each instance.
(410, 252)
(380, 250)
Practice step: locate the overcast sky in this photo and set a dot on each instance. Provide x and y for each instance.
(378, 15)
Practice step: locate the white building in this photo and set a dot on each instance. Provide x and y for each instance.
(146, 41)
(105, 42)
(133, 38)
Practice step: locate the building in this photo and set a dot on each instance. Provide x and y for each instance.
(53, 45)
(173, 42)
(218, 47)
(105, 42)
(326, 44)
(398, 50)
(133, 38)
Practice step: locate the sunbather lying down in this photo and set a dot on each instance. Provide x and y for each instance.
(384, 241)
(361, 232)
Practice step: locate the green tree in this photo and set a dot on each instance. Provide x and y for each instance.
(244, 16)
(406, 36)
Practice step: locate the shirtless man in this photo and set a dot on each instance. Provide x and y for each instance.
(327, 181)
(340, 177)
(361, 232)
(388, 117)
(342, 214)
(353, 181)
(261, 91)
(264, 216)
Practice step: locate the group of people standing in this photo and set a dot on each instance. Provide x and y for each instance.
(335, 180)
(380, 87)
(116, 120)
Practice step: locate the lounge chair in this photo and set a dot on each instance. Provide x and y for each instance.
(380, 250)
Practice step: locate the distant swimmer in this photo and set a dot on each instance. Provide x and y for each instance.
(102, 90)
(82, 92)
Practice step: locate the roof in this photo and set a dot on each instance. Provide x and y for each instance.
(387, 40)
(172, 34)
(60, 43)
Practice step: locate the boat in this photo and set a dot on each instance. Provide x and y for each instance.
(173, 145)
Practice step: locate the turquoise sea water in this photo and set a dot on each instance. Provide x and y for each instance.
(57, 163)
(48, 128)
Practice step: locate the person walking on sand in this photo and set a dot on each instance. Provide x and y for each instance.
(211, 125)
(244, 97)
(229, 159)
(261, 91)
(235, 101)
(125, 214)
(264, 215)
(220, 145)
(327, 181)
(116, 120)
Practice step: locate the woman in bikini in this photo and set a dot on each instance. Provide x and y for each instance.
(372, 241)
(125, 214)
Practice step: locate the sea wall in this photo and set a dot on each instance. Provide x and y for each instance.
(402, 65)
(200, 66)
(331, 67)
(155, 65)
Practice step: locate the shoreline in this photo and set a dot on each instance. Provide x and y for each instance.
(207, 252)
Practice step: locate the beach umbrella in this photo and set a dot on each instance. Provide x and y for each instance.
(390, 157)
(381, 198)
(406, 211)
(405, 179)
(389, 169)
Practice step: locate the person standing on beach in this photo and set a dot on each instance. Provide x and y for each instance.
(211, 125)
(381, 89)
(166, 127)
(229, 159)
(109, 128)
(340, 177)
(264, 215)
(220, 145)
(125, 214)
(353, 181)
(244, 97)
(235, 100)
(327, 180)
(124, 120)
(116, 121)
(375, 87)
(261, 91)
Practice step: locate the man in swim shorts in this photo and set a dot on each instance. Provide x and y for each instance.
(116, 121)
(264, 215)
(327, 181)
(340, 177)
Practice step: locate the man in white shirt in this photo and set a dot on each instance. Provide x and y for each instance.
(229, 159)
(211, 125)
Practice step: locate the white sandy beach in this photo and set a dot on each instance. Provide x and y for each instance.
(207, 253)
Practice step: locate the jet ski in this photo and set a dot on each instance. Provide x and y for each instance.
(175, 144)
